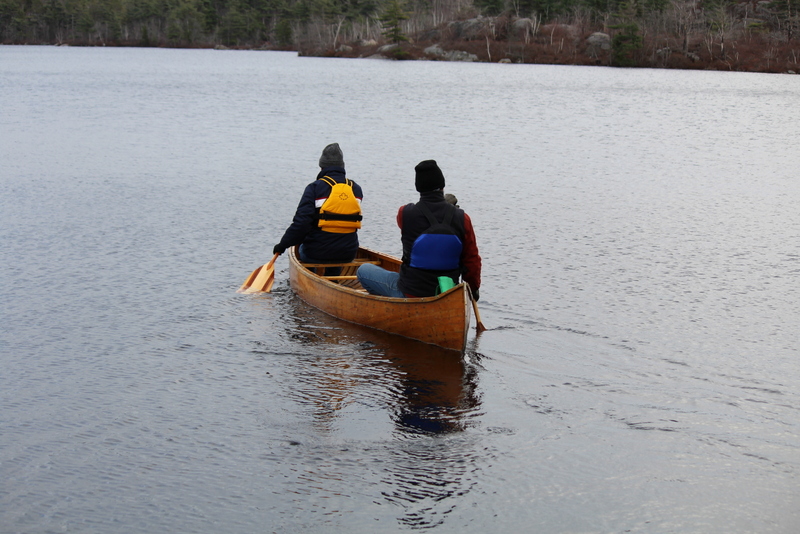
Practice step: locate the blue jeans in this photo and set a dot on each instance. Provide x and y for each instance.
(378, 281)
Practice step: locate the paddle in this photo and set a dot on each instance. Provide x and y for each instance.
(261, 279)
(479, 327)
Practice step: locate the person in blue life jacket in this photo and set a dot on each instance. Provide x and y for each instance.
(324, 225)
(438, 241)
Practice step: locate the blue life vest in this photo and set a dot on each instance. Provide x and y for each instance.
(438, 248)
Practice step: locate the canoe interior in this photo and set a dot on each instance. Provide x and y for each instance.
(347, 276)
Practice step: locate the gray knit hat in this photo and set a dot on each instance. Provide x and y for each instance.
(331, 156)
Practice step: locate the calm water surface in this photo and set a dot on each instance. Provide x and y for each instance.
(641, 241)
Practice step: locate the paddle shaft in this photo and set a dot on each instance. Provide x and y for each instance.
(479, 326)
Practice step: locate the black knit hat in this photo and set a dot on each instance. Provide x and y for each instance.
(331, 156)
(429, 176)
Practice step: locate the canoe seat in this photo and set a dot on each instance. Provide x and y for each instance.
(355, 263)
(347, 269)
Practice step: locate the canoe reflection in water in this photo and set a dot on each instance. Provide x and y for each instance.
(425, 389)
(375, 420)
(439, 392)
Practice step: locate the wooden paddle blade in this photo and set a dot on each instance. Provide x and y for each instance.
(249, 281)
(268, 285)
(260, 280)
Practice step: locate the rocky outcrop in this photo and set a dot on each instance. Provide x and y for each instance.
(449, 55)
(597, 42)
(469, 30)
(522, 29)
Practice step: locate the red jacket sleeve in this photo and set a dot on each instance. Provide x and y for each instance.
(470, 258)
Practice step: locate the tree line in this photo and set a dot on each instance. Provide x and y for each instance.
(326, 25)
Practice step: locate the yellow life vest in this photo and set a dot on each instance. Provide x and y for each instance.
(341, 211)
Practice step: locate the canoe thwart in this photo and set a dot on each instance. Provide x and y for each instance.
(348, 264)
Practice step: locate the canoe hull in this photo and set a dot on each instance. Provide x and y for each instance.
(442, 320)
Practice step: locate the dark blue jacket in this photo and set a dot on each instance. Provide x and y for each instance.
(304, 228)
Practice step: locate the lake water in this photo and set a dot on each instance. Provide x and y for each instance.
(640, 233)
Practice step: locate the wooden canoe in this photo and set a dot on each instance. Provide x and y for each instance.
(442, 320)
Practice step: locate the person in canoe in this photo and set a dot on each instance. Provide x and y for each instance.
(438, 241)
(328, 216)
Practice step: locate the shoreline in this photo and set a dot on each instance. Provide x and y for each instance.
(584, 51)
(494, 53)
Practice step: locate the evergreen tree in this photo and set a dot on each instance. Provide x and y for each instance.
(490, 7)
(234, 25)
(625, 44)
(283, 32)
(627, 41)
(392, 20)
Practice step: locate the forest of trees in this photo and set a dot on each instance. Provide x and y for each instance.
(759, 35)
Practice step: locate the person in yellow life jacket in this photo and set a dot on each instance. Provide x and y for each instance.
(326, 225)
